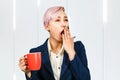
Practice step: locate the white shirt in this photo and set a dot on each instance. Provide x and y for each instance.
(56, 61)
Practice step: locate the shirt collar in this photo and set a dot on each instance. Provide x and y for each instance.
(50, 50)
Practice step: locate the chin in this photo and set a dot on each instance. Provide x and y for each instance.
(60, 40)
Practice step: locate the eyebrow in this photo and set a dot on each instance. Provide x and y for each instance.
(64, 17)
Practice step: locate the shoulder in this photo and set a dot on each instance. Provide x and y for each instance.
(36, 49)
(81, 52)
(79, 48)
(39, 48)
(79, 44)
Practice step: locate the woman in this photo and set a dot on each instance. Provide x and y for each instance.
(62, 58)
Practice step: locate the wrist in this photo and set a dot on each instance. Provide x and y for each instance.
(28, 73)
(72, 55)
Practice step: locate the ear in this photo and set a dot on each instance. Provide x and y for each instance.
(47, 28)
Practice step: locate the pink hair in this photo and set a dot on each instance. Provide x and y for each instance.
(51, 13)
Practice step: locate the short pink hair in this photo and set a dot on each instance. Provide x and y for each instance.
(51, 13)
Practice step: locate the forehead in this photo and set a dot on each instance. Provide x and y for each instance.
(60, 14)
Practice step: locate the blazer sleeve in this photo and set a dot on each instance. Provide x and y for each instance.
(34, 74)
(78, 65)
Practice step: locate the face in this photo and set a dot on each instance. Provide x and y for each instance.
(57, 25)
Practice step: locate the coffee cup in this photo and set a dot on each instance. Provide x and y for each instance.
(34, 60)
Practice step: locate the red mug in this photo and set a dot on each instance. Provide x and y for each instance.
(34, 60)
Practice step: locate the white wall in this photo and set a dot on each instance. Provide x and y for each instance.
(86, 25)
(101, 39)
(112, 42)
(6, 40)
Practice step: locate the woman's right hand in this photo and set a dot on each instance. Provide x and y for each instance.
(24, 67)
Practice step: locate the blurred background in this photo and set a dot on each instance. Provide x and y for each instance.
(95, 22)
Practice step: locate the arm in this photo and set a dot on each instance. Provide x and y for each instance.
(78, 65)
(77, 56)
(34, 74)
(23, 66)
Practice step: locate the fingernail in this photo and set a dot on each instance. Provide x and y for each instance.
(68, 27)
(74, 37)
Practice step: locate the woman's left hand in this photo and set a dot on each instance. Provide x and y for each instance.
(68, 43)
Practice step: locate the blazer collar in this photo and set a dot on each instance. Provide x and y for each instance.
(46, 60)
(45, 57)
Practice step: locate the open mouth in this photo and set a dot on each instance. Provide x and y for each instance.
(62, 32)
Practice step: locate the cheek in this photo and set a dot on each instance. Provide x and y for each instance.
(55, 31)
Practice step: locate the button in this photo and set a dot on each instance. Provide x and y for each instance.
(56, 56)
(58, 67)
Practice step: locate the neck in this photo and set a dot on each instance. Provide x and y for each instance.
(55, 45)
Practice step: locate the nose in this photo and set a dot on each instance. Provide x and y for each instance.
(63, 24)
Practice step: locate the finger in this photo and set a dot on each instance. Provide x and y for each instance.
(21, 65)
(68, 34)
(24, 68)
(68, 27)
(65, 34)
(73, 38)
(69, 31)
(21, 59)
(23, 62)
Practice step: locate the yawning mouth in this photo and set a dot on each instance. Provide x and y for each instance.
(62, 32)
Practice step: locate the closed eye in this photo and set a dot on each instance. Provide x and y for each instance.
(57, 20)
(66, 20)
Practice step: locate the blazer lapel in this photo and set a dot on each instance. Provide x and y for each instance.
(64, 64)
(45, 58)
